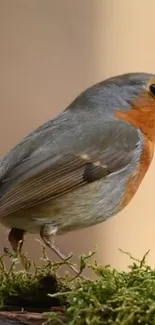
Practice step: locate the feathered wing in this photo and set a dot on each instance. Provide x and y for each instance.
(45, 174)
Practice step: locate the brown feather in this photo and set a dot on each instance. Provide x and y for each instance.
(67, 174)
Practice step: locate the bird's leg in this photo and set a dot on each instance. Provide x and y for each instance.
(46, 233)
(16, 239)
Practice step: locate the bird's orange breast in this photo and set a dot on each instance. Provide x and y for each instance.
(142, 116)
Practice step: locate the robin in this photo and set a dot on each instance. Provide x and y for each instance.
(82, 167)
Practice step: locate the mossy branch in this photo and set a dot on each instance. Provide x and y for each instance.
(121, 298)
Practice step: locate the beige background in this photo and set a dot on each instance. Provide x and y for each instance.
(49, 52)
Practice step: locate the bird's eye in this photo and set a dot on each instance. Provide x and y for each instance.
(152, 89)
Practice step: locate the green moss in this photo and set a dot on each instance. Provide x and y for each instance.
(121, 298)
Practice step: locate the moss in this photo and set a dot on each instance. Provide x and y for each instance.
(114, 297)
(28, 288)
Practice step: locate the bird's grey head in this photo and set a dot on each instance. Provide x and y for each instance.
(116, 92)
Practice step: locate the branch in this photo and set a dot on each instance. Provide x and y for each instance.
(23, 318)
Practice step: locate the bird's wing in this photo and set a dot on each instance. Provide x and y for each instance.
(44, 174)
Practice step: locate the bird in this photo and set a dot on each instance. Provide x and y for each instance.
(83, 166)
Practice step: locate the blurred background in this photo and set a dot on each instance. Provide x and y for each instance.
(52, 50)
